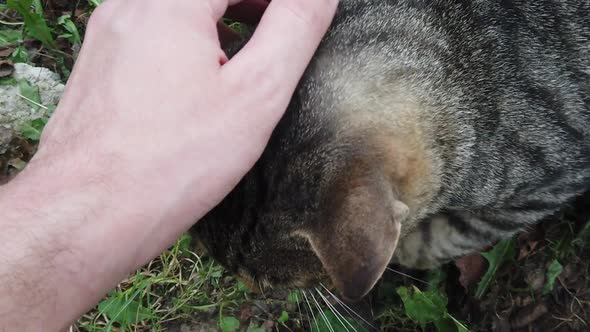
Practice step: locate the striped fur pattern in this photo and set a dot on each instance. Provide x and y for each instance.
(459, 121)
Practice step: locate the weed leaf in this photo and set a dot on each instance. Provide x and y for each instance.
(554, 270)
(583, 238)
(8, 37)
(429, 307)
(284, 317)
(8, 81)
(20, 55)
(435, 278)
(502, 252)
(32, 130)
(254, 328)
(38, 7)
(184, 244)
(34, 21)
(242, 288)
(229, 324)
(460, 326)
(293, 297)
(73, 36)
(124, 311)
(95, 3)
(216, 273)
(30, 93)
(329, 322)
(423, 307)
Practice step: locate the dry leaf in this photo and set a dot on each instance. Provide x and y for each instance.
(527, 249)
(17, 163)
(245, 314)
(528, 315)
(471, 268)
(529, 241)
(6, 51)
(6, 68)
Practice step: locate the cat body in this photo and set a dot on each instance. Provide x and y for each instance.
(420, 132)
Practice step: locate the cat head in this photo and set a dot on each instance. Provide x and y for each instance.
(340, 174)
(319, 211)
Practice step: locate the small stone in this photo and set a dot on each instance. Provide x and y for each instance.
(15, 111)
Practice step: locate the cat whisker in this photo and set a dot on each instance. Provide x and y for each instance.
(299, 307)
(324, 317)
(349, 309)
(259, 282)
(308, 316)
(406, 275)
(312, 314)
(339, 316)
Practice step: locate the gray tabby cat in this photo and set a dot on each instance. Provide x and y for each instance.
(421, 131)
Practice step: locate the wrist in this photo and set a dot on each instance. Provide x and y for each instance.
(71, 231)
(48, 270)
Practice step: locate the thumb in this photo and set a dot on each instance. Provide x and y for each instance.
(280, 49)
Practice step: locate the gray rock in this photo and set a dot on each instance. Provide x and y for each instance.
(15, 111)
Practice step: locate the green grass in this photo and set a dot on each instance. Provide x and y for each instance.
(176, 286)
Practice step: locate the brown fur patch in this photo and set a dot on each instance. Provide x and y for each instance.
(359, 231)
(392, 137)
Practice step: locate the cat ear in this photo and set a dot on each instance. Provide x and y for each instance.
(358, 233)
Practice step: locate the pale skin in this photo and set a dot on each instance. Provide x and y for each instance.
(154, 129)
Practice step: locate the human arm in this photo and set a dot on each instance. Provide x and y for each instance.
(154, 129)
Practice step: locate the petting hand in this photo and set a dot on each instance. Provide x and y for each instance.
(153, 99)
(154, 129)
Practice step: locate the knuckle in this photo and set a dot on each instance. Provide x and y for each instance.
(312, 12)
(117, 17)
(102, 15)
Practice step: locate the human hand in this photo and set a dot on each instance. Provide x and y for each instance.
(154, 129)
(154, 107)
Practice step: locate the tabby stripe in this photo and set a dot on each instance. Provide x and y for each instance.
(533, 206)
(426, 233)
(464, 227)
(504, 225)
(552, 103)
(550, 178)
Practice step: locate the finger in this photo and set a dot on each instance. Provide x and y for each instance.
(281, 47)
